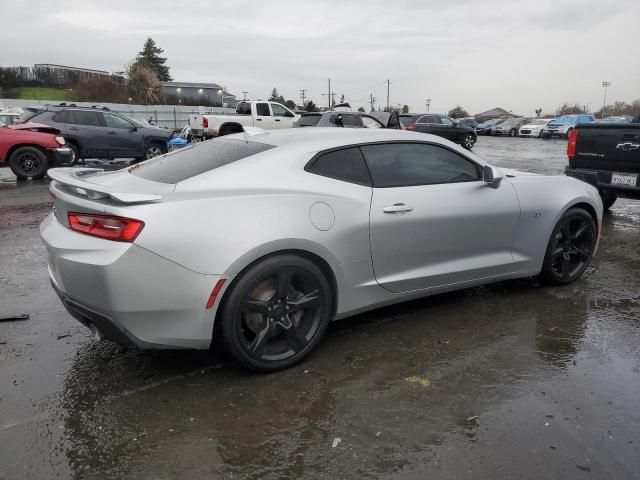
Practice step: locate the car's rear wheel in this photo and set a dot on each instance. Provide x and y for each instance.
(608, 198)
(154, 150)
(28, 162)
(570, 247)
(468, 141)
(276, 313)
(512, 132)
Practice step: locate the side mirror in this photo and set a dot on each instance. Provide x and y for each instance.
(492, 176)
(133, 129)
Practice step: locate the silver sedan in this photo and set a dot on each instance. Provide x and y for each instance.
(264, 238)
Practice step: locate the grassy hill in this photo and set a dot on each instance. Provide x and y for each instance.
(35, 93)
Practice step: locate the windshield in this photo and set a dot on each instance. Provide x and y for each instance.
(191, 161)
(28, 114)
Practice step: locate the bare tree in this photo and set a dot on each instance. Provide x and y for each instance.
(144, 86)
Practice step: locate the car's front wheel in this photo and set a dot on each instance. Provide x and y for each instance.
(512, 132)
(276, 313)
(154, 150)
(28, 162)
(570, 247)
(468, 141)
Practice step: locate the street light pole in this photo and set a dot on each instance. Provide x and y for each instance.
(427, 102)
(604, 102)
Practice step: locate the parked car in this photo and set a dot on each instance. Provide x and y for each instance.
(614, 119)
(467, 122)
(265, 115)
(563, 126)
(349, 119)
(9, 118)
(100, 133)
(484, 128)
(510, 127)
(29, 153)
(534, 127)
(262, 239)
(440, 125)
(606, 155)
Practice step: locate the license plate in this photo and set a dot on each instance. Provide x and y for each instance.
(624, 179)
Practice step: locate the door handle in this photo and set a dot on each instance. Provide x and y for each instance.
(258, 119)
(277, 119)
(74, 129)
(111, 132)
(397, 208)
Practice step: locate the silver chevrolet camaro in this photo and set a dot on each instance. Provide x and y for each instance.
(261, 238)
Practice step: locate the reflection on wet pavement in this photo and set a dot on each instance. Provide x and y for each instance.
(516, 380)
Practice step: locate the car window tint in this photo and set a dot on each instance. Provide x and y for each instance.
(202, 157)
(405, 164)
(243, 109)
(61, 117)
(406, 119)
(116, 121)
(85, 117)
(446, 121)
(308, 120)
(262, 110)
(346, 164)
(370, 122)
(351, 121)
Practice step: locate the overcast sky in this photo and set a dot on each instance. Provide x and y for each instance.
(519, 55)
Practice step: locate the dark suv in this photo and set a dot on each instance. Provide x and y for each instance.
(94, 132)
(440, 125)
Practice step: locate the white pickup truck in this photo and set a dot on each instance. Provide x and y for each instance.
(263, 114)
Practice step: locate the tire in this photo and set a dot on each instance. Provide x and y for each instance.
(540, 134)
(468, 141)
(263, 323)
(28, 162)
(608, 198)
(154, 149)
(570, 248)
(512, 132)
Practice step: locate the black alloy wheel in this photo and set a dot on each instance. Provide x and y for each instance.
(276, 313)
(468, 141)
(28, 162)
(570, 248)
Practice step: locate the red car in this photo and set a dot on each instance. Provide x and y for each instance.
(30, 149)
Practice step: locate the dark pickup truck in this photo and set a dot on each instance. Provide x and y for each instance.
(607, 155)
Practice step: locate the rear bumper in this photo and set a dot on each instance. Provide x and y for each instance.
(601, 179)
(128, 294)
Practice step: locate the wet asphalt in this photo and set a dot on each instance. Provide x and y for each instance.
(513, 380)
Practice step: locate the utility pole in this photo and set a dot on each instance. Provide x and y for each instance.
(604, 102)
(244, 99)
(303, 95)
(388, 86)
(372, 101)
(329, 94)
(427, 102)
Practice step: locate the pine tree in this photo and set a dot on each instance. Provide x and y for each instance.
(149, 57)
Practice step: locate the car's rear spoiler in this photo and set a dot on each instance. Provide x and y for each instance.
(72, 179)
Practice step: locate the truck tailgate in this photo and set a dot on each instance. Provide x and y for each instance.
(608, 147)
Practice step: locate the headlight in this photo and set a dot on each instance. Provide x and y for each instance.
(60, 140)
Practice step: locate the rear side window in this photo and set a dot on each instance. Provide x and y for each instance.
(243, 109)
(346, 164)
(85, 117)
(262, 110)
(200, 158)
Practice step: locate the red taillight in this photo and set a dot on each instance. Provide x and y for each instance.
(571, 144)
(118, 229)
(205, 122)
(410, 126)
(215, 292)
